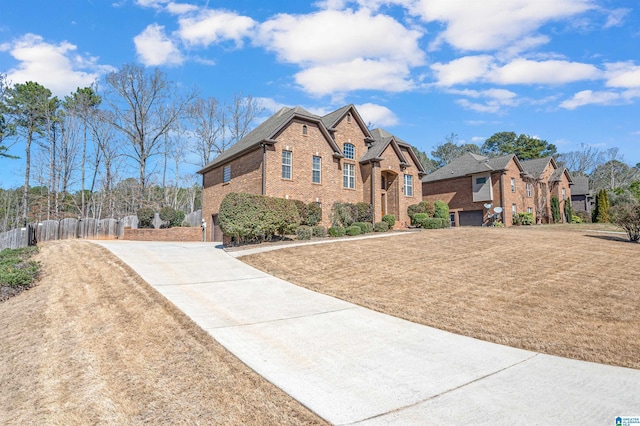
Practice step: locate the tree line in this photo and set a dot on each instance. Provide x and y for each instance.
(113, 147)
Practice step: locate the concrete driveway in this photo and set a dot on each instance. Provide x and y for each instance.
(351, 365)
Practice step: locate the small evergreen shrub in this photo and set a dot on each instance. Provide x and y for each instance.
(17, 270)
(568, 210)
(601, 211)
(441, 210)
(523, 218)
(314, 214)
(419, 218)
(353, 230)
(435, 223)
(381, 227)
(427, 207)
(390, 219)
(319, 231)
(145, 217)
(304, 232)
(342, 214)
(365, 227)
(576, 219)
(171, 216)
(337, 231)
(555, 209)
(364, 212)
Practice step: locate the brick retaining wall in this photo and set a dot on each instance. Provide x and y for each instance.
(170, 234)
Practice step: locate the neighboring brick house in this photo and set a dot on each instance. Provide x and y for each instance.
(582, 198)
(298, 155)
(480, 190)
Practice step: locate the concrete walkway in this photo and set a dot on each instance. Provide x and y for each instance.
(351, 365)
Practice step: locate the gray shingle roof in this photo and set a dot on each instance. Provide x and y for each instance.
(536, 167)
(468, 164)
(580, 185)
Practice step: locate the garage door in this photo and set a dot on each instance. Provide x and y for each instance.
(471, 218)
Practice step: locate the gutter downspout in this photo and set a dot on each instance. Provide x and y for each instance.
(502, 196)
(373, 193)
(264, 168)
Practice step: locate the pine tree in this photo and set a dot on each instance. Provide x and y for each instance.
(601, 212)
(555, 209)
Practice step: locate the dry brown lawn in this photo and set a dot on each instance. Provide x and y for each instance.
(552, 289)
(94, 344)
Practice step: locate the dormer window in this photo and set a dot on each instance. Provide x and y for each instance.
(349, 151)
(304, 130)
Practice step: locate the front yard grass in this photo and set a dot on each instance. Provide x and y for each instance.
(558, 290)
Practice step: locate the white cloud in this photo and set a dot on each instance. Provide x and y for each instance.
(358, 74)
(524, 71)
(214, 26)
(155, 48)
(483, 68)
(378, 115)
(494, 24)
(344, 50)
(589, 97)
(58, 67)
(616, 17)
(623, 74)
(467, 69)
(491, 100)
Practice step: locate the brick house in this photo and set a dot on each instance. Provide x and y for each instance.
(295, 154)
(582, 197)
(480, 189)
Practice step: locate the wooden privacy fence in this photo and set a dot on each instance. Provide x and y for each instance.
(87, 228)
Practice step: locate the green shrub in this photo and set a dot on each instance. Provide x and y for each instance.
(302, 210)
(381, 227)
(364, 212)
(304, 232)
(337, 231)
(353, 230)
(523, 218)
(568, 210)
(319, 231)
(583, 215)
(314, 214)
(418, 218)
(498, 224)
(555, 209)
(248, 217)
(145, 217)
(17, 270)
(601, 211)
(365, 227)
(433, 222)
(390, 219)
(576, 219)
(341, 214)
(441, 210)
(171, 216)
(427, 207)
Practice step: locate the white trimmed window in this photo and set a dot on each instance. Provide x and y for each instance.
(513, 184)
(226, 174)
(349, 151)
(528, 190)
(564, 193)
(316, 169)
(286, 164)
(408, 185)
(305, 131)
(530, 209)
(349, 176)
(514, 209)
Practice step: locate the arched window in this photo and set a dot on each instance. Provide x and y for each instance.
(349, 151)
(349, 118)
(304, 129)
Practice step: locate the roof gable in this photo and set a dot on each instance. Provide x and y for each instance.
(381, 140)
(469, 164)
(332, 119)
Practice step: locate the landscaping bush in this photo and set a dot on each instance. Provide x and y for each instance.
(523, 218)
(583, 215)
(248, 217)
(353, 230)
(555, 209)
(319, 231)
(314, 214)
(365, 227)
(390, 219)
(337, 231)
(365, 212)
(427, 207)
(435, 223)
(576, 219)
(441, 210)
(171, 216)
(627, 217)
(302, 210)
(342, 214)
(304, 232)
(568, 210)
(381, 227)
(601, 211)
(145, 217)
(17, 270)
(418, 218)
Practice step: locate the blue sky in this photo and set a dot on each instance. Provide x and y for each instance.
(567, 71)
